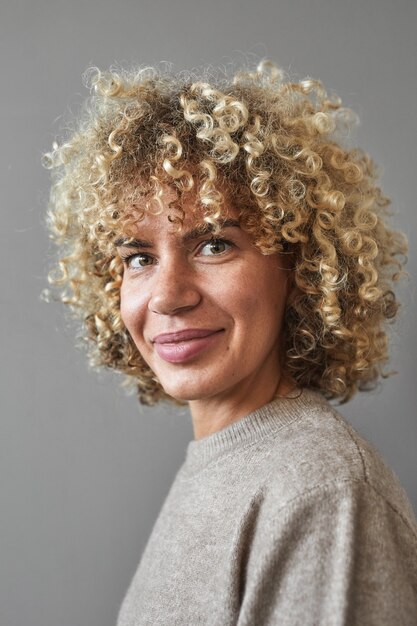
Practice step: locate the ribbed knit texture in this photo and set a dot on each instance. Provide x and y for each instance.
(286, 517)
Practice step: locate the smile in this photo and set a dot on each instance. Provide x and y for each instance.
(184, 345)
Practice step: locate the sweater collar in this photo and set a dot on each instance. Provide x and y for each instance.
(253, 427)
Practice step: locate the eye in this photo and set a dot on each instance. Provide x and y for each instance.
(214, 247)
(138, 261)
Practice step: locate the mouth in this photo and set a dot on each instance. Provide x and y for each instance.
(188, 334)
(185, 345)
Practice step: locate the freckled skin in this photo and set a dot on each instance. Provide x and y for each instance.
(230, 288)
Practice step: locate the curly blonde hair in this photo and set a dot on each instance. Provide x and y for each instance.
(277, 149)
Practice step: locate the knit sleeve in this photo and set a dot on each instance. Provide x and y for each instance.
(341, 555)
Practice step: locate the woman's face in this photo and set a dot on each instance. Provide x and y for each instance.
(205, 313)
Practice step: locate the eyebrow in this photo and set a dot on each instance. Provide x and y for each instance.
(195, 233)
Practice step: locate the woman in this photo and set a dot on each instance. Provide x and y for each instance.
(224, 248)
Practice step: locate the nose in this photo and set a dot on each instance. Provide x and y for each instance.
(174, 289)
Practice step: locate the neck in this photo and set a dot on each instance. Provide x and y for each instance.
(209, 415)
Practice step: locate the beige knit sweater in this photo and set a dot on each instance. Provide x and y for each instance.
(286, 517)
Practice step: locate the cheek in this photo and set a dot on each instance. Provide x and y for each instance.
(124, 305)
(265, 302)
(131, 308)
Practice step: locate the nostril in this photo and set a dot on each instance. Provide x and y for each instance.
(170, 301)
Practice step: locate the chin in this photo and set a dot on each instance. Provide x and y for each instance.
(189, 390)
(184, 395)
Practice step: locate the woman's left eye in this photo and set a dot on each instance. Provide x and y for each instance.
(214, 247)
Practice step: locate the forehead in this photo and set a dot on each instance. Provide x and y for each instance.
(178, 215)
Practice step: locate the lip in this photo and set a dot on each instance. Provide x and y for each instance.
(187, 334)
(184, 345)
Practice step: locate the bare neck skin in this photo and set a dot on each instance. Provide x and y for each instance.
(210, 415)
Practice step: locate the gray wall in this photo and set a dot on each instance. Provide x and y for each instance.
(83, 469)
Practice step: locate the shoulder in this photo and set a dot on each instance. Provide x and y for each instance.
(319, 456)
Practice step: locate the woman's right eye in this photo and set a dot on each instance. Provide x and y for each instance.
(138, 261)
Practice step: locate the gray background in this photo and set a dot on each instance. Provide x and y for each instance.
(83, 469)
